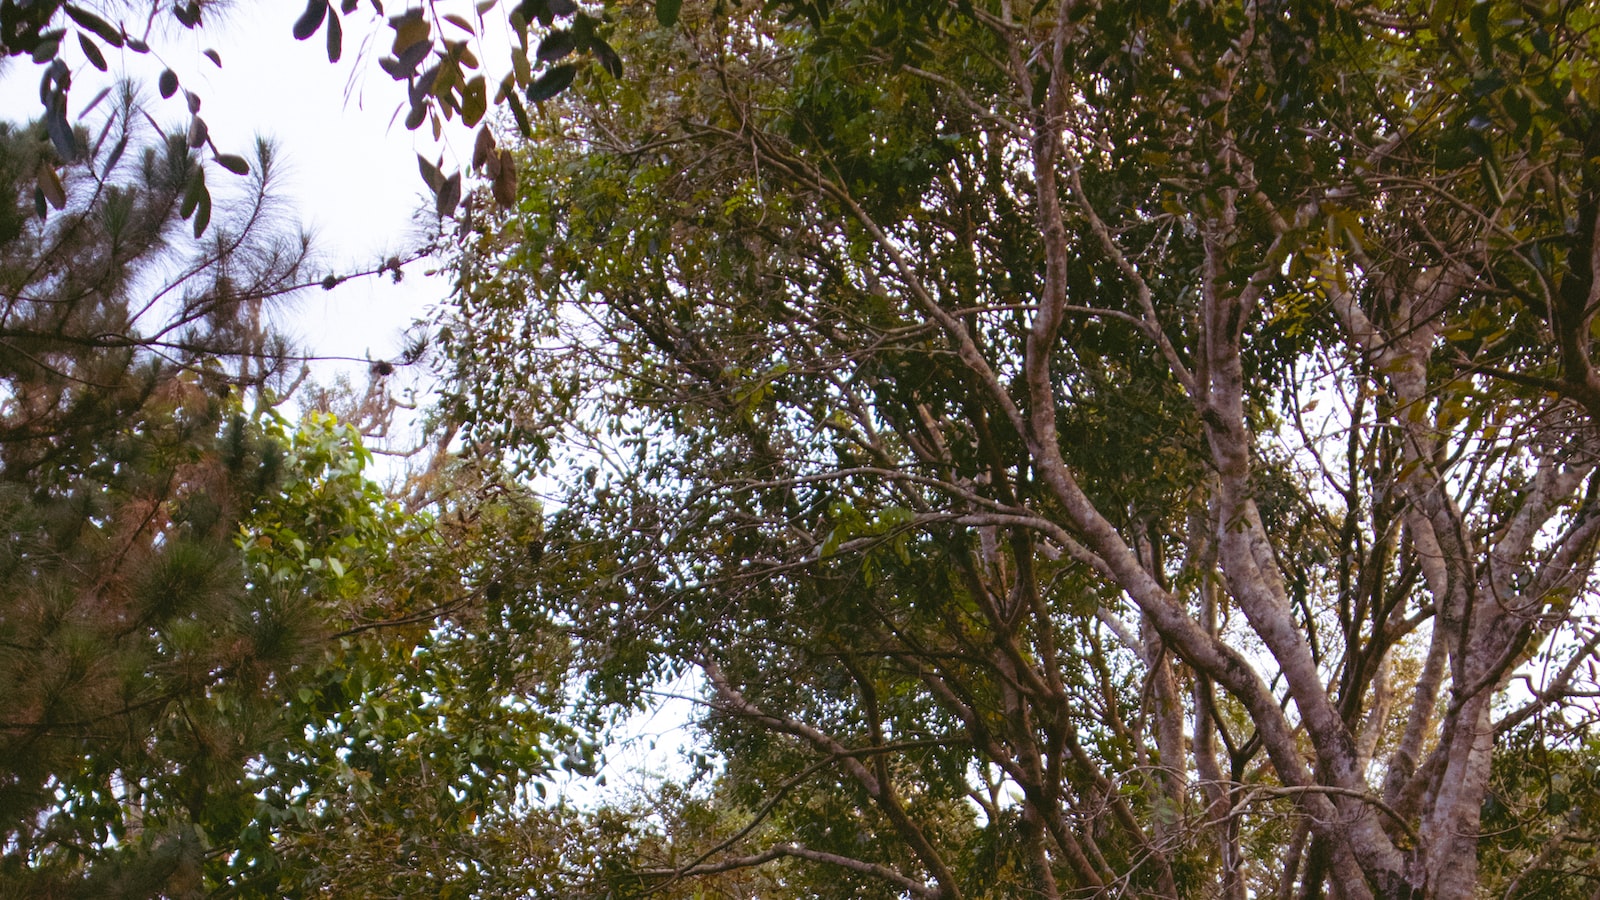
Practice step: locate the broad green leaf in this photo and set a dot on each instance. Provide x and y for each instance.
(101, 28)
(235, 164)
(311, 19)
(335, 37)
(552, 82)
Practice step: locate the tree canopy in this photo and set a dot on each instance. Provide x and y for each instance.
(217, 634)
(1059, 449)
(1076, 449)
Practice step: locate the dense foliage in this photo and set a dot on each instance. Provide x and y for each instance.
(1074, 449)
(231, 664)
(1058, 449)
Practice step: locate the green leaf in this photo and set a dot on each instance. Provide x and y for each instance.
(50, 185)
(474, 101)
(112, 158)
(520, 114)
(192, 194)
(410, 29)
(557, 44)
(94, 23)
(482, 146)
(430, 174)
(449, 196)
(535, 11)
(61, 135)
(96, 58)
(198, 132)
(608, 58)
(519, 66)
(202, 211)
(552, 83)
(235, 164)
(504, 187)
(46, 50)
(311, 19)
(104, 93)
(667, 12)
(335, 37)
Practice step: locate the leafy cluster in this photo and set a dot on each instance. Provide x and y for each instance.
(1153, 438)
(222, 645)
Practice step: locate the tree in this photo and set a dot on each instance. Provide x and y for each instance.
(420, 718)
(126, 460)
(1540, 816)
(215, 631)
(1158, 438)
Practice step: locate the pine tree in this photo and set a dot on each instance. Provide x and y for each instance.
(136, 667)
